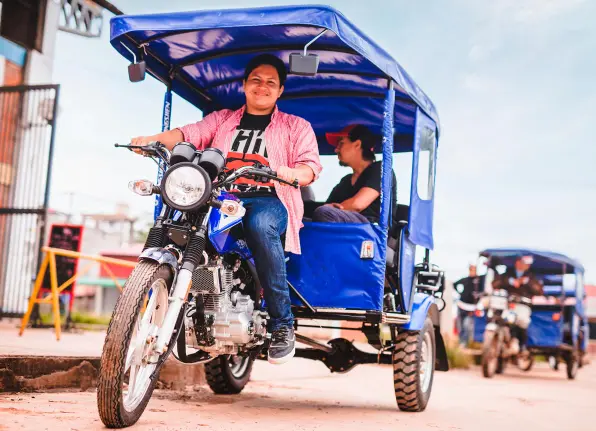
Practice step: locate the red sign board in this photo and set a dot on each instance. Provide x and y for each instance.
(65, 237)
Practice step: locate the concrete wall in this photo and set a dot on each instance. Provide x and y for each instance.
(25, 67)
(40, 64)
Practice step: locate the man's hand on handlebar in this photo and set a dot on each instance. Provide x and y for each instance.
(141, 141)
(287, 174)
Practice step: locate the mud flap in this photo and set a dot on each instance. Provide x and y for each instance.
(441, 361)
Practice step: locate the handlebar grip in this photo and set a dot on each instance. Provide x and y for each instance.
(274, 173)
(269, 171)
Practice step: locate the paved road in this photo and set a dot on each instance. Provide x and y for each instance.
(302, 395)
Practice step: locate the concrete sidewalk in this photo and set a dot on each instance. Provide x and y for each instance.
(37, 361)
(42, 342)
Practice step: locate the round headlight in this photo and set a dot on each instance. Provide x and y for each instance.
(186, 187)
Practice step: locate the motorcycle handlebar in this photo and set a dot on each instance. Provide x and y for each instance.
(155, 148)
(271, 174)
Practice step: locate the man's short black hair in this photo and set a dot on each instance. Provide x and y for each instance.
(368, 139)
(270, 60)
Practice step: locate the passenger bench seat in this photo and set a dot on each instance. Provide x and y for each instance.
(400, 220)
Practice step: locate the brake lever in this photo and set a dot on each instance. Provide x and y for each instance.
(144, 148)
(274, 177)
(150, 150)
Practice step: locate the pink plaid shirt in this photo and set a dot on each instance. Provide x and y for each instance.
(290, 141)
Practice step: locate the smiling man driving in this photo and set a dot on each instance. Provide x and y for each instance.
(259, 132)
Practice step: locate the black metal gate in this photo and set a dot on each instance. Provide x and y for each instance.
(27, 129)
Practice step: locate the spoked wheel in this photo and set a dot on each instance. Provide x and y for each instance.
(127, 362)
(228, 374)
(490, 355)
(413, 367)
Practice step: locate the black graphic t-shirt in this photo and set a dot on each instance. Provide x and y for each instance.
(249, 146)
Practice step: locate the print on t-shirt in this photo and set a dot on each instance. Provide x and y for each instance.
(248, 147)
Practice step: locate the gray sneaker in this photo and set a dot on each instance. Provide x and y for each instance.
(282, 347)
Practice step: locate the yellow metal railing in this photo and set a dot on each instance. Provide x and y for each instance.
(52, 298)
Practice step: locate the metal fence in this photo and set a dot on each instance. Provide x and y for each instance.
(27, 129)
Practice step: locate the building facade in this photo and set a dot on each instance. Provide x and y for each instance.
(28, 111)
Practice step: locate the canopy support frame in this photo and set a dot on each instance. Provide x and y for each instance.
(166, 118)
(313, 40)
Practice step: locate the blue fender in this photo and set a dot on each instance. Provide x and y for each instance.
(420, 307)
(424, 306)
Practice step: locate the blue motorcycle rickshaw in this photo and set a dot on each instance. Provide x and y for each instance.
(366, 273)
(558, 328)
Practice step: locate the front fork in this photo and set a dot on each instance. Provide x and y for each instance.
(182, 284)
(176, 302)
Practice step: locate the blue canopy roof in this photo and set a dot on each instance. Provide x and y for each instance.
(206, 53)
(544, 261)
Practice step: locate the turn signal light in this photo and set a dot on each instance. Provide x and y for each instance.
(556, 317)
(142, 187)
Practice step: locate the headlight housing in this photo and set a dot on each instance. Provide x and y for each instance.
(185, 187)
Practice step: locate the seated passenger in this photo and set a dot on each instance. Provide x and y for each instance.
(357, 197)
(520, 281)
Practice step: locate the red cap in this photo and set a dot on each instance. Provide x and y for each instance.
(333, 138)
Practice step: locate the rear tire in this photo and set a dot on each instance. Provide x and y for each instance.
(228, 374)
(525, 364)
(414, 359)
(116, 409)
(572, 365)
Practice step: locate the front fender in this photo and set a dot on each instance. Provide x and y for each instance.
(423, 306)
(420, 309)
(160, 256)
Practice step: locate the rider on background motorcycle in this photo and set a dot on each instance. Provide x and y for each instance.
(521, 282)
(259, 132)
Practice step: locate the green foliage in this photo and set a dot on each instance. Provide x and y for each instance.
(457, 357)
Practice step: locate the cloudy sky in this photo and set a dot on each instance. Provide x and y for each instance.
(513, 81)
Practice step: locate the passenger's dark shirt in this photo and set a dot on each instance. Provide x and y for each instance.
(370, 177)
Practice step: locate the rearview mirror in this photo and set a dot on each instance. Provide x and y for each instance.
(305, 65)
(136, 71)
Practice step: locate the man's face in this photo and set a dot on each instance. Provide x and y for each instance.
(472, 270)
(262, 88)
(521, 266)
(348, 151)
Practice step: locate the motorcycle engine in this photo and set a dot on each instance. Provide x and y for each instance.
(221, 320)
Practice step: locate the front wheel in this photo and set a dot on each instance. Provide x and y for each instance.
(228, 374)
(501, 364)
(490, 354)
(413, 367)
(126, 374)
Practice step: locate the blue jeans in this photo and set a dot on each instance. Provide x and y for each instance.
(466, 323)
(265, 221)
(330, 214)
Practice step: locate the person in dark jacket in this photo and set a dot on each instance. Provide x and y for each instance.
(468, 288)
